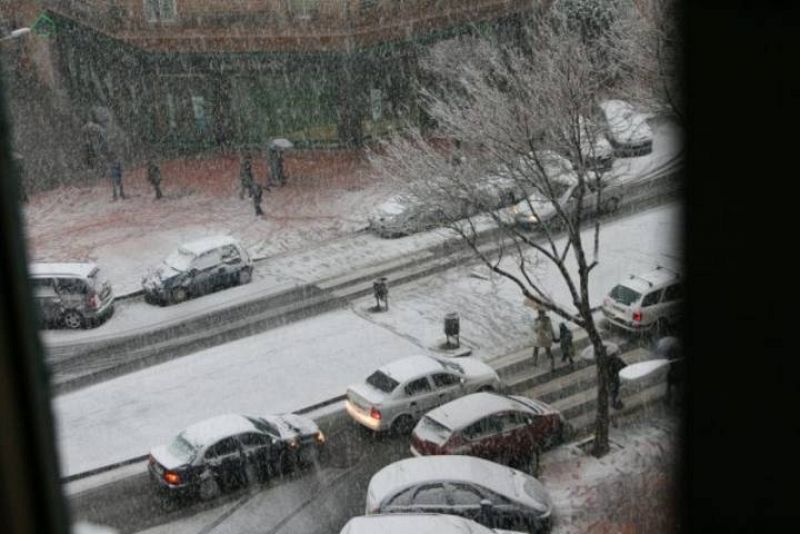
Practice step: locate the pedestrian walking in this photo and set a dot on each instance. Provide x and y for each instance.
(543, 337)
(567, 348)
(116, 179)
(154, 177)
(674, 378)
(245, 176)
(256, 191)
(615, 365)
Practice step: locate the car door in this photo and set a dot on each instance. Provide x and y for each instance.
(205, 273)
(536, 430)
(511, 441)
(72, 292)
(258, 451)
(447, 387)
(465, 500)
(430, 499)
(480, 437)
(651, 308)
(48, 300)
(232, 263)
(224, 461)
(672, 301)
(420, 396)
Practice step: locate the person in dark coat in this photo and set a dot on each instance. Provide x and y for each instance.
(256, 191)
(567, 348)
(615, 365)
(154, 177)
(246, 176)
(674, 377)
(116, 179)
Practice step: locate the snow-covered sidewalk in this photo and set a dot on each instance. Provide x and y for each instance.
(308, 233)
(629, 490)
(309, 361)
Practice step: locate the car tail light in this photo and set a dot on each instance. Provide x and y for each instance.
(92, 301)
(375, 414)
(637, 316)
(172, 478)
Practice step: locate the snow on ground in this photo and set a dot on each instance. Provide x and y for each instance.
(278, 371)
(491, 307)
(315, 359)
(631, 489)
(307, 231)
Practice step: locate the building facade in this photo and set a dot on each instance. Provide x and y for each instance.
(189, 74)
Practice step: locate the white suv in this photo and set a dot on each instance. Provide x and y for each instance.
(645, 301)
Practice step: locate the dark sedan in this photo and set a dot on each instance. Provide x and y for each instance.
(229, 451)
(505, 429)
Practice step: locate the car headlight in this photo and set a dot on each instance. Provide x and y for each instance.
(293, 444)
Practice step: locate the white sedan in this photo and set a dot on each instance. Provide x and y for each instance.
(491, 494)
(628, 130)
(416, 523)
(398, 394)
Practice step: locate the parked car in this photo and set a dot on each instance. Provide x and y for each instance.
(398, 394)
(504, 429)
(610, 194)
(404, 214)
(416, 524)
(198, 268)
(644, 302)
(628, 130)
(491, 494)
(232, 450)
(73, 295)
(596, 150)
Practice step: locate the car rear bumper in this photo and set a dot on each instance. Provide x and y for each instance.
(165, 489)
(361, 417)
(624, 324)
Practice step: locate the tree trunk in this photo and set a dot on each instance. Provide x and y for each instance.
(600, 446)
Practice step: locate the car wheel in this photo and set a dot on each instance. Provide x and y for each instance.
(209, 489)
(245, 275)
(403, 425)
(73, 319)
(611, 205)
(178, 295)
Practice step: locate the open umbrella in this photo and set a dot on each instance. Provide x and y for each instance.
(281, 143)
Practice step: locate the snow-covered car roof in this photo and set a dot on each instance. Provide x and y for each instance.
(80, 270)
(411, 367)
(206, 432)
(465, 410)
(643, 283)
(625, 124)
(393, 206)
(601, 148)
(498, 478)
(414, 523)
(205, 244)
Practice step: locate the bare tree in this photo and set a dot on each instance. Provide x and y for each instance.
(523, 122)
(653, 52)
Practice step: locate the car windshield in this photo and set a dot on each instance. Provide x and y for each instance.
(264, 426)
(452, 366)
(382, 381)
(180, 260)
(182, 449)
(624, 295)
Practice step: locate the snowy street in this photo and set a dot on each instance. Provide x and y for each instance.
(303, 363)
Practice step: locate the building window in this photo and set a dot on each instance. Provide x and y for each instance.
(171, 115)
(304, 9)
(160, 10)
